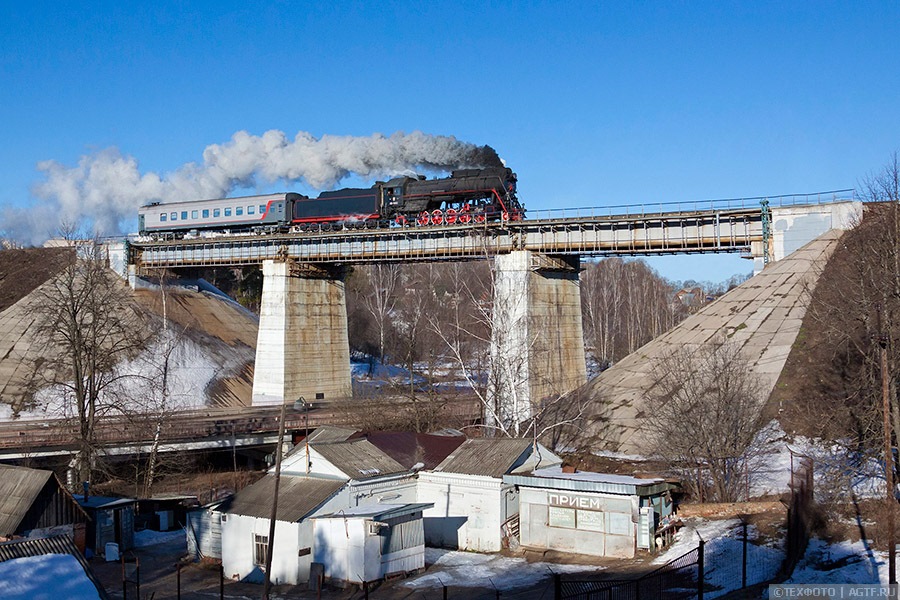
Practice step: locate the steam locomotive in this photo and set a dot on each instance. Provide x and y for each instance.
(467, 196)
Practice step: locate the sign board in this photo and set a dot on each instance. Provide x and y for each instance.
(561, 517)
(590, 520)
(573, 501)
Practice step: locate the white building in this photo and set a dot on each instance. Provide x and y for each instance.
(370, 542)
(474, 509)
(589, 513)
(365, 511)
(317, 479)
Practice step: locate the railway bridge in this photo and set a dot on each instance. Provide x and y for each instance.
(302, 347)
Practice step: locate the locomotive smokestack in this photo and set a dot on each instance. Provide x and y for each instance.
(106, 188)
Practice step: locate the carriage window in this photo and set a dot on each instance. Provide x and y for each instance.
(250, 210)
(227, 212)
(163, 216)
(239, 211)
(262, 209)
(174, 216)
(184, 215)
(216, 212)
(205, 213)
(195, 214)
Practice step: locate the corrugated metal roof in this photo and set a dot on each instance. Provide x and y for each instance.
(585, 481)
(297, 497)
(486, 457)
(409, 448)
(19, 488)
(359, 459)
(52, 545)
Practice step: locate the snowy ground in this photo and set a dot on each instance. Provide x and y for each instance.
(841, 562)
(723, 554)
(468, 569)
(148, 537)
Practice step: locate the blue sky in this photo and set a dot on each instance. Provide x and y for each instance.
(592, 104)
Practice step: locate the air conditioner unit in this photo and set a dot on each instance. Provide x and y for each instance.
(377, 528)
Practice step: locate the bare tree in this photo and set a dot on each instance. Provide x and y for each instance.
(86, 316)
(490, 345)
(856, 309)
(380, 299)
(625, 304)
(706, 411)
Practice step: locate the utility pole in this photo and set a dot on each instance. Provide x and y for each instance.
(888, 463)
(271, 542)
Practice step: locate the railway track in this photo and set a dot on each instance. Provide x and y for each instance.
(191, 425)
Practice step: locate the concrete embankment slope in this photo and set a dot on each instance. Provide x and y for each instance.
(213, 340)
(763, 316)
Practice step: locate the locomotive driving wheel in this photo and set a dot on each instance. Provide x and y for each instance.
(424, 218)
(437, 217)
(450, 216)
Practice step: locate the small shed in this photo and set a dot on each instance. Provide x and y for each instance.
(582, 512)
(34, 503)
(204, 532)
(370, 542)
(112, 520)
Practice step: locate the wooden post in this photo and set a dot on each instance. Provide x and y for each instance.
(744, 558)
(888, 463)
(700, 574)
(270, 546)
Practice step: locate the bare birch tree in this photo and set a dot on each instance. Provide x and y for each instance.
(705, 413)
(381, 298)
(625, 304)
(86, 316)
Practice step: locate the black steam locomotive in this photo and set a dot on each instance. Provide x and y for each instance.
(467, 196)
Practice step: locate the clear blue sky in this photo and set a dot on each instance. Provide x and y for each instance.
(592, 104)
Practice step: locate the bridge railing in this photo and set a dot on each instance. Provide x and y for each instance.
(660, 208)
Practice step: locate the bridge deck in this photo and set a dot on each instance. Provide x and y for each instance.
(730, 230)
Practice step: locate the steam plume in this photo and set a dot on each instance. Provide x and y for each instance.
(106, 188)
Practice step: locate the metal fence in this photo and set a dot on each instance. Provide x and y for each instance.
(679, 578)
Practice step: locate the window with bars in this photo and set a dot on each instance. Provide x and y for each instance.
(260, 546)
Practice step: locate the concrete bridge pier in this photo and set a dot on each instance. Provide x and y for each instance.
(537, 345)
(302, 350)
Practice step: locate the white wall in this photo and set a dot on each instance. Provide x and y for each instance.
(468, 511)
(796, 226)
(347, 552)
(614, 522)
(287, 566)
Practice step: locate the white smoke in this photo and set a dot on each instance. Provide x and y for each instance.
(106, 188)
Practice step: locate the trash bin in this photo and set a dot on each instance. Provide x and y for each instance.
(112, 551)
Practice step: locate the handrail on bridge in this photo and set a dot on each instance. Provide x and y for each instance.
(661, 208)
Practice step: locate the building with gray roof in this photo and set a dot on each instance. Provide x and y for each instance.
(474, 509)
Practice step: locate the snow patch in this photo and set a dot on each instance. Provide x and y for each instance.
(467, 569)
